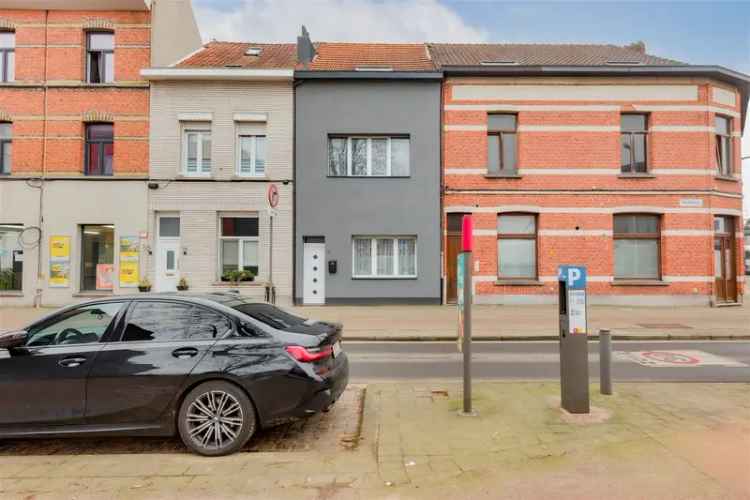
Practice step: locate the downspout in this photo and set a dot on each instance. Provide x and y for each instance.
(40, 245)
(441, 216)
(295, 84)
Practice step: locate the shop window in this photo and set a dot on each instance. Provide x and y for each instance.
(11, 257)
(384, 257)
(637, 246)
(7, 56)
(6, 147)
(502, 147)
(634, 143)
(99, 149)
(100, 59)
(238, 246)
(97, 257)
(517, 246)
(723, 126)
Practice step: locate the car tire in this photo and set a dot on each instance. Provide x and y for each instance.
(216, 418)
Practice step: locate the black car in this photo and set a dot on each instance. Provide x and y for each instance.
(211, 367)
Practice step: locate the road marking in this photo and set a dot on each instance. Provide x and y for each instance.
(674, 359)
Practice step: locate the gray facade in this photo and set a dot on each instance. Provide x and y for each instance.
(338, 209)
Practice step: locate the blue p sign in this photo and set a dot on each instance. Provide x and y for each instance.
(574, 276)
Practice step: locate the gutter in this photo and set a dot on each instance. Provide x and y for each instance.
(238, 74)
(367, 75)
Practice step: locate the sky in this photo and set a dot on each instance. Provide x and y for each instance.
(697, 32)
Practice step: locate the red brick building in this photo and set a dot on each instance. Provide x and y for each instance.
(597, 155)
(74, 126)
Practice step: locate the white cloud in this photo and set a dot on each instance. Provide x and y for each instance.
(336, 20)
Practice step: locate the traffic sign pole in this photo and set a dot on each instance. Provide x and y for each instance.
(273, 201)
(467, 231)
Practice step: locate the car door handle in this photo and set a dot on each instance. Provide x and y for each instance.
(185, 352)
(72, 362)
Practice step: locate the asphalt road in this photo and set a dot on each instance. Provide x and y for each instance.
(698, 361)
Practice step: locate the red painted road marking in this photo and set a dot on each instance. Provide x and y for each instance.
(671, 357)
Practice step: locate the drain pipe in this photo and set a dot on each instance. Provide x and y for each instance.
(40, 223)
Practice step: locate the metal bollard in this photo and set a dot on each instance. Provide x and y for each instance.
(605, 362)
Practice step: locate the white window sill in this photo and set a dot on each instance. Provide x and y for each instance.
(194, 176)
(242, 177)
(384, 277)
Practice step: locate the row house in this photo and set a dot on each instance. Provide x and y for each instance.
(221, 141)
(367, 174)
(597, 155)
(74, 132)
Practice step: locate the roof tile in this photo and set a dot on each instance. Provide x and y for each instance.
(335, 56)
(461, 54)
(232, 54)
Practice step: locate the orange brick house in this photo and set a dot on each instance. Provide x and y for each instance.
(597, 155)
(74, 126)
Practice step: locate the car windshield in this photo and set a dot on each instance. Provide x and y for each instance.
(270, 315)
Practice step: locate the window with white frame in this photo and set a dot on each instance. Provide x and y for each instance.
(377, 156)
(251, 150)
(196, 151)
(384, 256)
(238, 245)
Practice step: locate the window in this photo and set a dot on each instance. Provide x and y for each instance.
(239, 245)
(634, 144)
(169, 227)
(100, 59)
(516, 246)
(251, 155)
(100, 149)
(7, 56)
(11, 257)
(160, 321)
(723, 126)
(368, 157)
(636, 246)
(197, 152)
(502, 148)
(207, 324)
(97, 257)
(384, 257)
(84, 325)
(6, 147)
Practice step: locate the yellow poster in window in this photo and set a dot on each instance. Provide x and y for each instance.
(129, 261)
(128, 273)
(128, 248)
(59, 274)
(59, 248)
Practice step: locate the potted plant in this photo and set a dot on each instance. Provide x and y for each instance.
(182, 285)
(235, 276)
(144, 285)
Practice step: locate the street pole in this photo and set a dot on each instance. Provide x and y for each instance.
(605, 362)
(467, 247)
(271, 291)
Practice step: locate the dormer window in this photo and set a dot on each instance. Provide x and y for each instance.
(253, 51)
(374, 67)
(100, 57)
(7, 56)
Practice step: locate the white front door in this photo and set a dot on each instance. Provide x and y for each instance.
(168, 253)
(314, 286)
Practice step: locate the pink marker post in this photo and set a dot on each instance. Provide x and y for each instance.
(467, 246)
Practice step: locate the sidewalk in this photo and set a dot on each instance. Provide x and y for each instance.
(666, 441)
(420, 322)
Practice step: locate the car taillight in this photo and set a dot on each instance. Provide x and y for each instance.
(304, 355)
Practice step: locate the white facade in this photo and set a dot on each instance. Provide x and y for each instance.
(197, 133)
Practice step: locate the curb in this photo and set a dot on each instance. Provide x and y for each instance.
(543, 338)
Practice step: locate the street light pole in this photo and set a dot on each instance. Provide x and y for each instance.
(467, 231)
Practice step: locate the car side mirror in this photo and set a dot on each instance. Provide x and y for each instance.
(11, 340)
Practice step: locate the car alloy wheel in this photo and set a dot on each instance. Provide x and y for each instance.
(216, 418)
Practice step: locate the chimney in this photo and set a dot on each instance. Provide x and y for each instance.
(305, 48)
(639, 46)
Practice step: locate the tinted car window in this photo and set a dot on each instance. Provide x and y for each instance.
(207, 324)
(159, 321)
(270, 315)
(83, 325)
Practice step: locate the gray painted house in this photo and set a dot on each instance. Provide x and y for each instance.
(367, 151)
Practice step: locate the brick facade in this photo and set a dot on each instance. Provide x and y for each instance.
(569, 176)
(50, 52)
